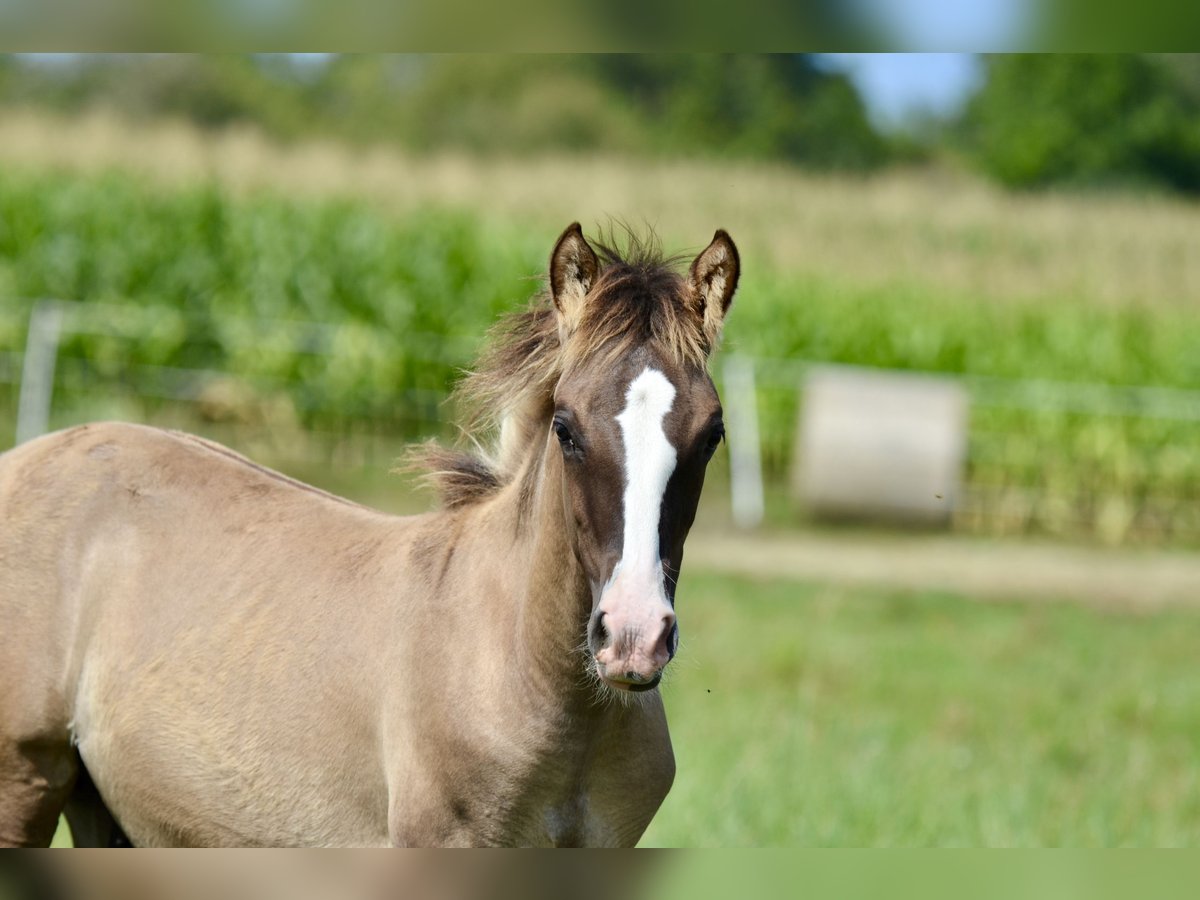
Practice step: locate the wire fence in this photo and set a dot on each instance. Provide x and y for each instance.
(1118, 463)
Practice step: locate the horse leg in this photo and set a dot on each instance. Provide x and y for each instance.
(36, 776)
(92, 825)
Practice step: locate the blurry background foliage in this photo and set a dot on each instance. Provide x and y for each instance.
(745, 106)
(1080, 119)
(1038, 120)
(866, 247)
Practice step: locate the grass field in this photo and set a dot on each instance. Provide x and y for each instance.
(808, 715)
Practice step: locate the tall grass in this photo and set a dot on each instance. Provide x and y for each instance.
(916, 228)
(224, 241)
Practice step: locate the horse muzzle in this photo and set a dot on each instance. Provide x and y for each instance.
(631, 651)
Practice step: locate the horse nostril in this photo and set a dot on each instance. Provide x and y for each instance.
(673, 639)
(600, 634)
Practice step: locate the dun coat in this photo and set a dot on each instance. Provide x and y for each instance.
(196, 650)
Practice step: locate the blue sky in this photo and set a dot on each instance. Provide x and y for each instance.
(897, 85)
(947, 25)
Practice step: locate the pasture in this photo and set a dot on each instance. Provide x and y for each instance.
(812, 715)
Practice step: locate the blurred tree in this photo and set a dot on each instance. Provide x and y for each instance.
(757, 106)
(1067, 118)
(516, 104)
(1185, 68)
(212, 91)
(771, 107)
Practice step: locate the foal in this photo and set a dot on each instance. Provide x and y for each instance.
(200, 651)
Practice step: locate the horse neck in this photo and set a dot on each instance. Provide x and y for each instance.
(554, 598)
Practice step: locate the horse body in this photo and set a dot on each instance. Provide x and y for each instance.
(324, 684)
(234, 658)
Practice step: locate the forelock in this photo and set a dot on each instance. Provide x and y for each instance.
(639, 299)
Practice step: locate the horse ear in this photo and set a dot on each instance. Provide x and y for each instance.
(573, 267)
(713, 278)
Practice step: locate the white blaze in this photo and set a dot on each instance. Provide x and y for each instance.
(649, 462)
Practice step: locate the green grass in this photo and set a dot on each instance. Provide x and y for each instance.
(807, 715)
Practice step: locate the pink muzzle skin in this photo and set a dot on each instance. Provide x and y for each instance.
(635, 627)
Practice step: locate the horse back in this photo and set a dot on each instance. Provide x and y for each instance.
(160, 592)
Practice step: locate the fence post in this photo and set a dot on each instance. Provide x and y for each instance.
(745, 451)
(37, 369)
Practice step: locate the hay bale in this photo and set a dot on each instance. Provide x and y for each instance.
(880, 446)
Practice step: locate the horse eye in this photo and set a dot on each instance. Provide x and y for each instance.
(564, 437)
(714, 439)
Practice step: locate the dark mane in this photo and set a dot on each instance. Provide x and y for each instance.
(639, 297)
